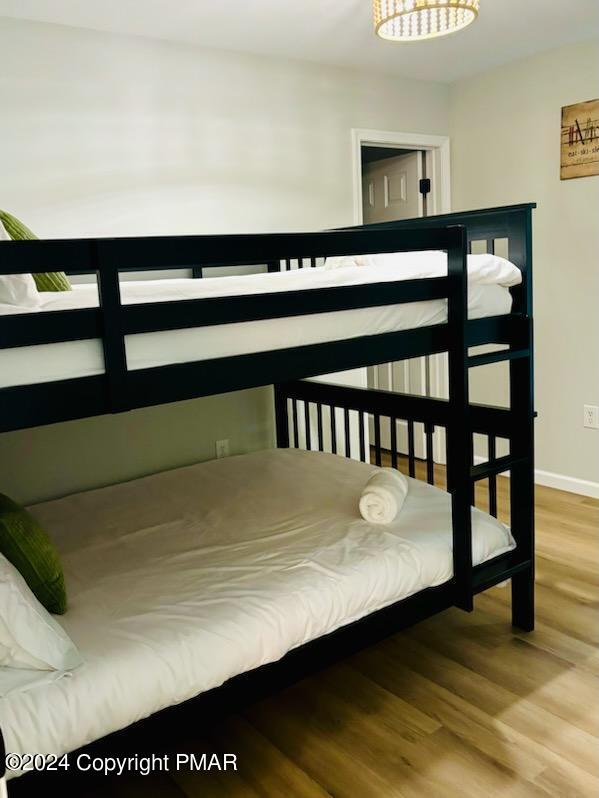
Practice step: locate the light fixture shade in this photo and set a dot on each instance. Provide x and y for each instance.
(415, 20)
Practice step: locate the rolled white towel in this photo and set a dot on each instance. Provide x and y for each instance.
(383, 496)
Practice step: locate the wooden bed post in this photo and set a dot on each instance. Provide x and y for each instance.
(522, 488)
(459, 431)
(522, 483)
(281, 418)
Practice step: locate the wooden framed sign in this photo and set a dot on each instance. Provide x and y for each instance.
(580, 140)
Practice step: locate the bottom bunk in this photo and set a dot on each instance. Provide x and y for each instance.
(181, 580)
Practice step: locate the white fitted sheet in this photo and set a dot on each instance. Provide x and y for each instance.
(183, 579)
(489, 280)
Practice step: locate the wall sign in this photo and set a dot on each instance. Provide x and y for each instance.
(580, 140)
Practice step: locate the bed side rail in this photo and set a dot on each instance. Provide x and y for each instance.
(507, 228)
(124, 389)
(381, 427)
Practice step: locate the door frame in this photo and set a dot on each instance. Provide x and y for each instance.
(438, 164)
(438, 160)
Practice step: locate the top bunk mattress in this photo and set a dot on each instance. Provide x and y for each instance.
(181, 580)
(489, 280)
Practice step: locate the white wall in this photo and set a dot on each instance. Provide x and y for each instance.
(111, 135)
(505, 129)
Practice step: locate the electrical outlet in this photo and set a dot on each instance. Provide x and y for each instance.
(222, 449)
(591, 417)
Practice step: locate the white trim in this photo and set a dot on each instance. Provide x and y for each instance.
(583, 487)
(437, 146)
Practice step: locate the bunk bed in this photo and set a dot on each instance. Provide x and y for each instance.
(307, 414)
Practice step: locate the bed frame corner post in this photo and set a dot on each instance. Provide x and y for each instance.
(523, 600)
(281, 417)
(459, 430)
(520, 253)
(522, 486)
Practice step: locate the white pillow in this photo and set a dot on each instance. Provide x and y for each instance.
(30, 638)
(17, 289)
(343, 261)
(485, 269)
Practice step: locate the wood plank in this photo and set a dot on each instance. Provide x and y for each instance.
(265, 767)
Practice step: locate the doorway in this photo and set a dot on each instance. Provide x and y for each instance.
(379, 145)
(394, 184)
(402, 176)
(426, 158)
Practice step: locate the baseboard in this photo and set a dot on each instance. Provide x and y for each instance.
(548, 479)
(570, 484)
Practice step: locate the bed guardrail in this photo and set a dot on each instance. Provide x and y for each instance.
(317, 416)
(120, 388)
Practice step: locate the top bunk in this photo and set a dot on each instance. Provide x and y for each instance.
(116, 345)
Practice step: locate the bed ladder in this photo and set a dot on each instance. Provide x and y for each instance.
(462, 473)
(520, 463)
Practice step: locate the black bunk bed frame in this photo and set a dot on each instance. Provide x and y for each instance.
(119, 389)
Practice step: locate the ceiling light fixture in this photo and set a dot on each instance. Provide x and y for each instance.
(415, 20)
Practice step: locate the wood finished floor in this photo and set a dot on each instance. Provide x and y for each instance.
(459, 705)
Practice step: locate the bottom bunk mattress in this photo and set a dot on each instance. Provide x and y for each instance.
(181, 580)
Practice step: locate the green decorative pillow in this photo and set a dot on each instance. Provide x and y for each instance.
(52, 281)
(25, 544)
(46, 281)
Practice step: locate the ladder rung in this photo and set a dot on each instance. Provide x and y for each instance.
(497, 357)
(484, 470)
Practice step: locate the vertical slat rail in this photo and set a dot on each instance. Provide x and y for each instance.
(411, 450)
(393, 422)
(113, 340)
(281, 418)
(377, 440)
(346, 429)
(295, 424)
(430, 465)
(459, 437)
(492, 477)
(362, 434)
(333, 430)
(307, 423)
(319, 427)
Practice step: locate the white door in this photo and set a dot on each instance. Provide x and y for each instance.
(391, 190)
